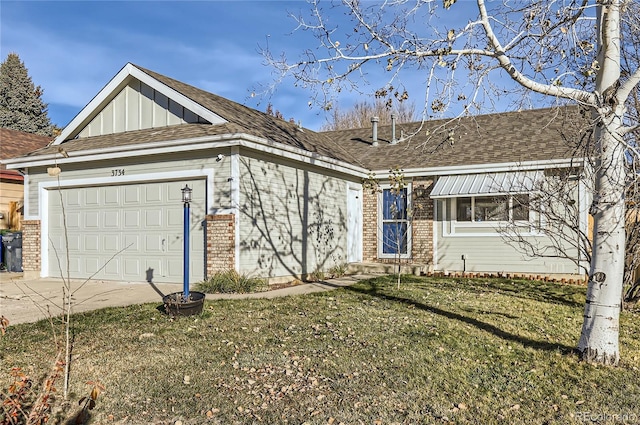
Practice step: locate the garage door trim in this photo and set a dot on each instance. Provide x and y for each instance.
(44, 189)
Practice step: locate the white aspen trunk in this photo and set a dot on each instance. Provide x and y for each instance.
(599, 338)
(600, 329)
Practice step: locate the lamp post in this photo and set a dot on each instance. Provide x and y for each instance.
(186, 200)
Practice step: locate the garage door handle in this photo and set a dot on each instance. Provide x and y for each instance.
(163, 240)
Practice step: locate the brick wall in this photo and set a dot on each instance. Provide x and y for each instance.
(221, 235)
(369, 226)
(31, 260)
(422, 224)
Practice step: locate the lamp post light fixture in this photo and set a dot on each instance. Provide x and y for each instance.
(185, 303)
(186, 199)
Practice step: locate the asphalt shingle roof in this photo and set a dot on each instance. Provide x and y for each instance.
(15, 143)
(532, 135)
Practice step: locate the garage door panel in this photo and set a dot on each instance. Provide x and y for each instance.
(131, 219)
(56, 243)
(91, 219)
(132, 195)
(175, 217)
(174, 267)
(174, 193)
(112, 269)
(74, 265)
(153, 243)
(153, 194)
(111, 219)
(132, 267)
(73, 220)
(153, 268)
(92, 198)
(153, 218)
(111, 195)
(110, 242)
(75, 242)
(91, 264)
(72, 199)
(91, 243)
(144, 218)
(131, 244)
(174, 244)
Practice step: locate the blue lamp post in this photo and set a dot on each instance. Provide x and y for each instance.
(186, 200)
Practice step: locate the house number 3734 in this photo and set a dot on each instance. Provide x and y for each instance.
(117, 172)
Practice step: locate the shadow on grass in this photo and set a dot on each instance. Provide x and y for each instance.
(569, 295)
(373, 288)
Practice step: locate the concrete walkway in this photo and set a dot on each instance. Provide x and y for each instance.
(24, 300)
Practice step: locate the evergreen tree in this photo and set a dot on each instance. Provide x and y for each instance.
(21, 105)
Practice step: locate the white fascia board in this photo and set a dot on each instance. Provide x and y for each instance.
(488, 168)
(114, 86)
(193, 144)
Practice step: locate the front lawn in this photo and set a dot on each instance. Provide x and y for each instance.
(463, 351)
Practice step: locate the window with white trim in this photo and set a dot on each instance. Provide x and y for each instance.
(395, 226)
(480, 209)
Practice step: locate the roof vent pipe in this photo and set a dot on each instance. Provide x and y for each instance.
(374, 137)
(393, 129)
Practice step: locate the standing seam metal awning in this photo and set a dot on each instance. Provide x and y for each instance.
(486, 184)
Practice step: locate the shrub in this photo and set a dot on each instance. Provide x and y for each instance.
(338, 270)
(316, 276)
(231, 282)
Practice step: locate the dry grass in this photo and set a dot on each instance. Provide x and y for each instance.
(438, 350)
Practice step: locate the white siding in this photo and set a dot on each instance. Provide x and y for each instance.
(293, 220)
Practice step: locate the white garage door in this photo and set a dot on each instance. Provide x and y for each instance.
(133, 232)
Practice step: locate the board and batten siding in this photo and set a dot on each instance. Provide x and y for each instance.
(486, 251)
(133, 168)
(138, 106)
(293, 220)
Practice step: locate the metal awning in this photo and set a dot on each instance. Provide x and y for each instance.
(486, 184)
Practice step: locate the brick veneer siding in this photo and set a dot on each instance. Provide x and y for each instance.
(221, 236)
(31, 256)
(369, 226)
(421, 225)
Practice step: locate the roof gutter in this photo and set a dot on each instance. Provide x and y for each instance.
(189, 145)
(490, 168)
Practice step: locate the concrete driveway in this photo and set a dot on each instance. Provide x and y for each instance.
(29, 300)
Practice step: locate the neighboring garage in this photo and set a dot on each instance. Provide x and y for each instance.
(130, 232)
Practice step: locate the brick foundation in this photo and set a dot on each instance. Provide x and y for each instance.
(31, 255)
(221, 236)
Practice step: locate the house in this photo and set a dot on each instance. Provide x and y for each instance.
(271, 198)
(14, 143)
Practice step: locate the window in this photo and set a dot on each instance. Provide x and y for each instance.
(395, 222)
(493, 208)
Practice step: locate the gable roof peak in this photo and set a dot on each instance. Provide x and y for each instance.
(114, 87)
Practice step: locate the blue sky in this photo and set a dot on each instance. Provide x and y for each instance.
(73, 48)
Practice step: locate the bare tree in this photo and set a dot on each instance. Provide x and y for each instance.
(568, 51)
(359, 116)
